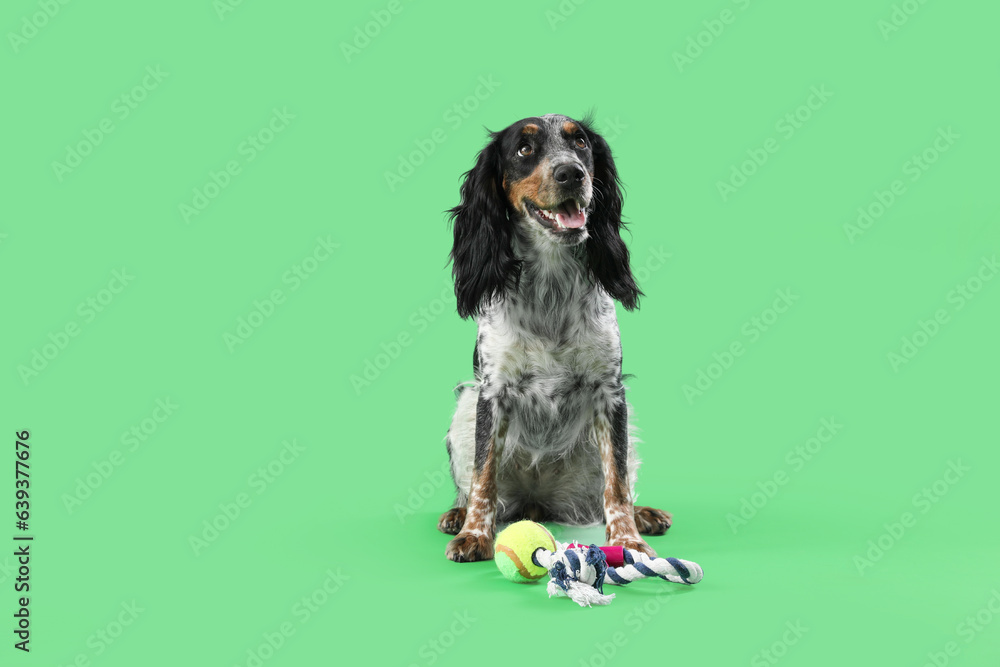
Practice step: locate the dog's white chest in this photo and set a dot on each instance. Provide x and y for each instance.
(549, 366)
(551, 374)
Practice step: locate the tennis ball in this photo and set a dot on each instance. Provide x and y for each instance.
(514, 547)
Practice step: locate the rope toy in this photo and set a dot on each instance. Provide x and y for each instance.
(579, 572)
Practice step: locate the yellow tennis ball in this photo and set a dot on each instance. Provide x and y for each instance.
(515, 545)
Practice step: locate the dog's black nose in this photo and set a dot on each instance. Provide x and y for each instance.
(565, 173)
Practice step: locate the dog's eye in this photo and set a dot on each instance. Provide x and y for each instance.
(524, 150)
(581, 142)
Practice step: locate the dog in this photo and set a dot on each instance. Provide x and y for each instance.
(543, 431)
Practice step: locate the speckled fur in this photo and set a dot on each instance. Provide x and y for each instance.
(552, 357)
(547, 397)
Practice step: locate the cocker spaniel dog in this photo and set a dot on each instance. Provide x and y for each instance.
(543, 431)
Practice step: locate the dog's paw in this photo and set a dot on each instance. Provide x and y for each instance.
(635, 543)
(452, 521)
(652, 521)
(467, 548)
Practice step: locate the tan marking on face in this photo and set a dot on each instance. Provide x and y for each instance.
(529, 129)
(569, 127)
(532, 187)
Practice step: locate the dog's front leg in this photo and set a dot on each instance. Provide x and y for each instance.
(475, 540)
(611, 430)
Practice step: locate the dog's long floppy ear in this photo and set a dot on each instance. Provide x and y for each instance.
(483, 261)
(607, 254)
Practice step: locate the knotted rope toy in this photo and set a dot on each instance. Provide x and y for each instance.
(526, 551)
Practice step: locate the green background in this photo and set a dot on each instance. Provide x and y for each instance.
(361, 497)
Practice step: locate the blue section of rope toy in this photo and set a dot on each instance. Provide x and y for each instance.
(581, 572)
(568, 570)
(638, 565)
(596, 558)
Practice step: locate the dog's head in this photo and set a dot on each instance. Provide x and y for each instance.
(552, 181)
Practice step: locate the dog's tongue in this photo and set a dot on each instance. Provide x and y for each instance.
(569, 215)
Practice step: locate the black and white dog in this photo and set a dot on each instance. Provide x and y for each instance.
(543, 432)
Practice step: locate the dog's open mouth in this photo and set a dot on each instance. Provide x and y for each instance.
(566, 216)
